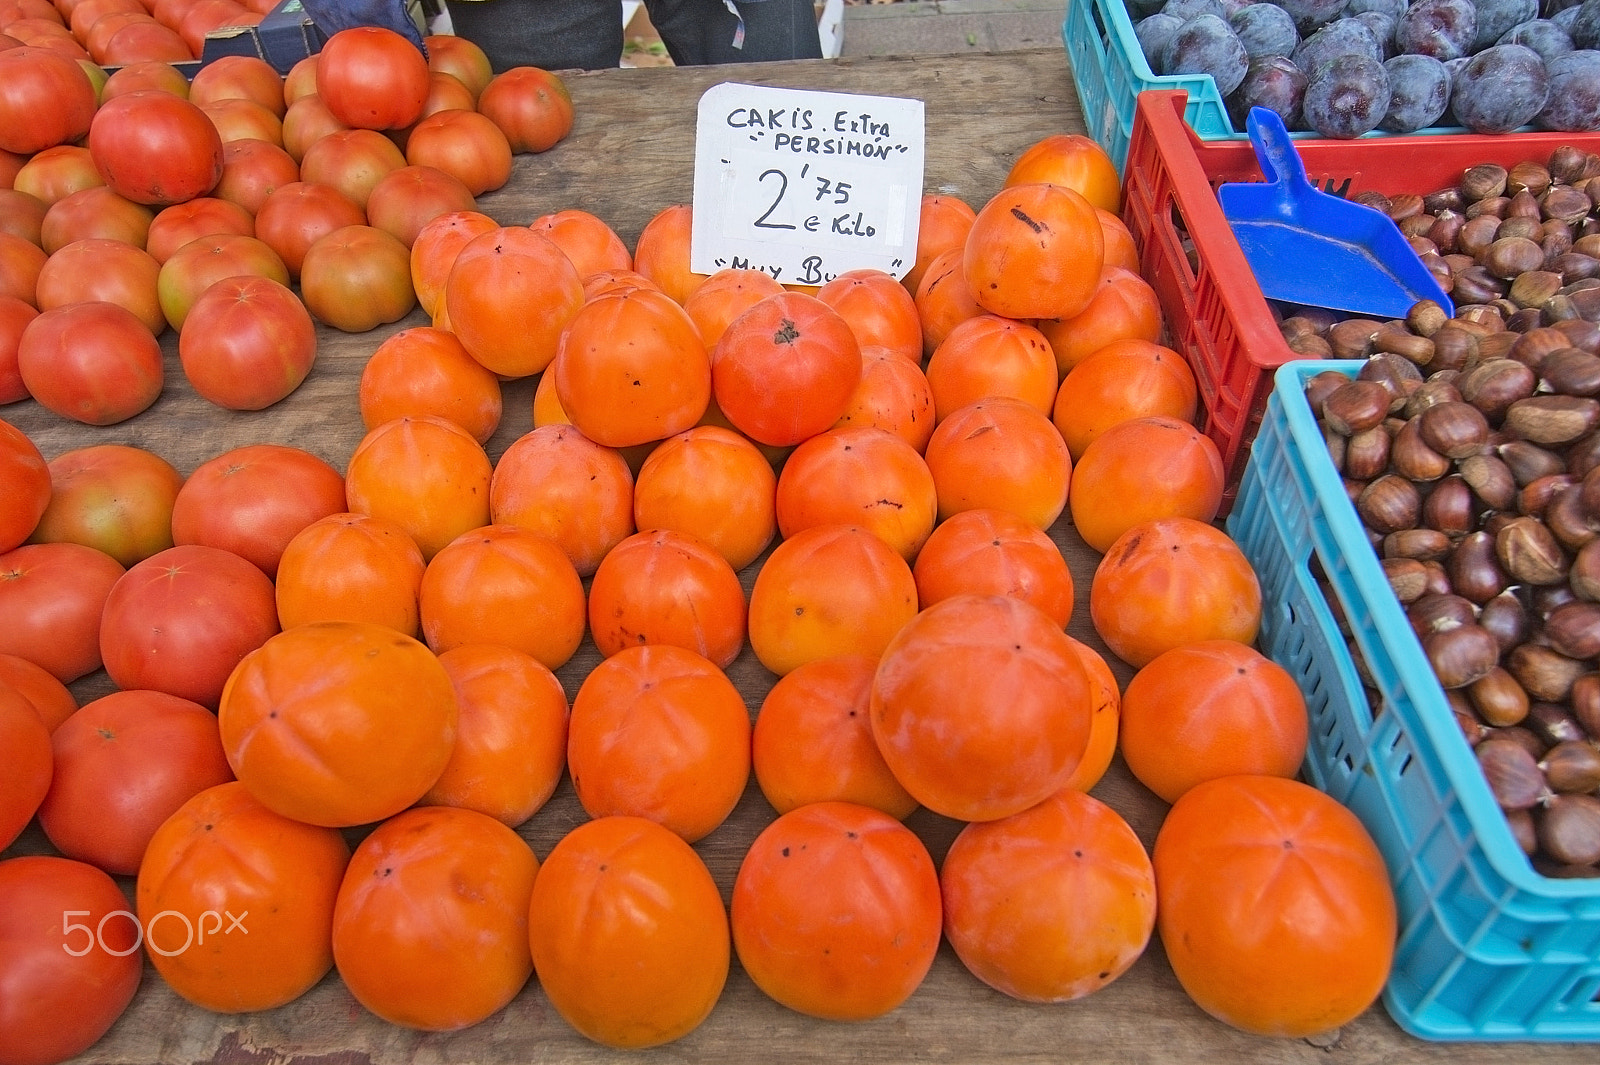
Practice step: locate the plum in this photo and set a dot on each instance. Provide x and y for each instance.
(1382, 25)
(1395, 8)
(1419, 91)
(1274, 82)
(1542, 35)
(1347, 98)
(1309, 14)
(1346, 36)
(1184, 10)
(1574, 103)
(1585, 27)
(1496, 17)
(1265, 29)
(1205, 45)
(1155, 35)
(1500, 89)
(1444, 29)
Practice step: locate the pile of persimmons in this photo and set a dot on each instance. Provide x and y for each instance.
(299, 651)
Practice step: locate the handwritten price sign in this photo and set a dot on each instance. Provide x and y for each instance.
(805, 185)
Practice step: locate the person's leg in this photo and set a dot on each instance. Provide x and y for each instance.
(701, 32)
(550, 34)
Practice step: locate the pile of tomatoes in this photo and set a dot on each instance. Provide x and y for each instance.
(337, 696)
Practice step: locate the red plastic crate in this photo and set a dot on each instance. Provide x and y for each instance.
(1218, 318)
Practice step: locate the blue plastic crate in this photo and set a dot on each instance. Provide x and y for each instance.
(1489, 949)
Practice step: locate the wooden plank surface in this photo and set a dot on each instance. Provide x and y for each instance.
(629, 156)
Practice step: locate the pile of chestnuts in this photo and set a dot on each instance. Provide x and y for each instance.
(1470, 448)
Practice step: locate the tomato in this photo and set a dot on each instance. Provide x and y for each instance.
(50, 699)
(52, 596)
(459, 57)
(785, 369)
(251, 170)
(155, 148)
(56, 173)
(464, 144)
(667, 587)
(180, 621)
(405, 200)
(372, 78)
(142, 42)
(254, 499)
(352, 161)
(628, 933)
(307, 121)
(124, 763)
(297, 214)
(239, 119)
(46, 100)
(110, 270)
(1276, 909)
(531, 106)
(69, 958)
(1052, 903)
(20, 263)
(836, 911)
(246, 77)
(350, 567)
(659, 732)
(861, 475)
(113, 497)
(97, 211)
(258, 887)
(339, 723)
(430, 929)
(202, 262)
(22, 214)
(247, 342)
(93, 362)
(25, 486)
(29, 763)
(15, 315)
(357, 278)
(203, 216)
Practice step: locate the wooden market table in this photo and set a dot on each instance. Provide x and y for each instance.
(630, 155)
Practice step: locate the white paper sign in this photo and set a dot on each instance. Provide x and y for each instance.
(805, 185)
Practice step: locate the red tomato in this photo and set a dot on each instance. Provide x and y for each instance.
(358, 278)
(179, 621)
(97, 211)
(296, 214)
(203, 216)
(69, 958)
(29, 766)
(24, 486)
(157, 148)
(112, 497)
(464, 144)
(247, 342)
(405, 200)
(251, 169)
(50, 699)
(123, 765)
(45, 99)
(254, 499)
(94, 362)
(95, 268)
(531, 106)
(15, 314)
(51, 596)
(201, 263)
(372, 78)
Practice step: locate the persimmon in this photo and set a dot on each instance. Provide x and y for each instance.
(434, 252)
(1120, 247)
(943, 222)
(426, 371)
(632, 368)
(662, 252)
(556, 481)
(1052, 903)
(1211, 709)
(836, 911)
(1276, 911)
(628, 933)
(785, 369)
(1126, 379)
(713, 484)
(510, 294)
(825, 591)
(511, 734)
(338, 723)
(981, 707)
(659, 732)
(430, 928)
(1074, 161)
(589, 241)
(893, 394)
(944, 299)
(724, 296)
(503, 584)
(350, 567)
(1172, 581)
(225, 851)
(1035, 251)
(864, 476)
(1143, 469)
(813, 740)
(986, 356)
(1000, 453)
(1104, 726)
(1123, 307)
(879, 310)
(425, 474)
(985, 551)
(603, 282)
(663, 586)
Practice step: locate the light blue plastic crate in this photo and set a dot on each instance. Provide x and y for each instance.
(1489, 949)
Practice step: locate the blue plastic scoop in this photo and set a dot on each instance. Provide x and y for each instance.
(1308, 247)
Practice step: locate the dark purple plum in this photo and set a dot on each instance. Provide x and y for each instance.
(1496, 17)
(1346, 36)
(1585, 27)
(1184, 10)
(1274, 82)
(1205, 45)
(1386, 7)
(1443, 29)
(1231, 8)
(1155, 35)
(1500, 89)
(1574, 104)
(1543, 36)
(1382, 25)
(1419, 90)
(1309, 14)
(1265, 29)
(1347, 98)
(1566, 18)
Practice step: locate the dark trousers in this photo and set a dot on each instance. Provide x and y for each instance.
(587, 34)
